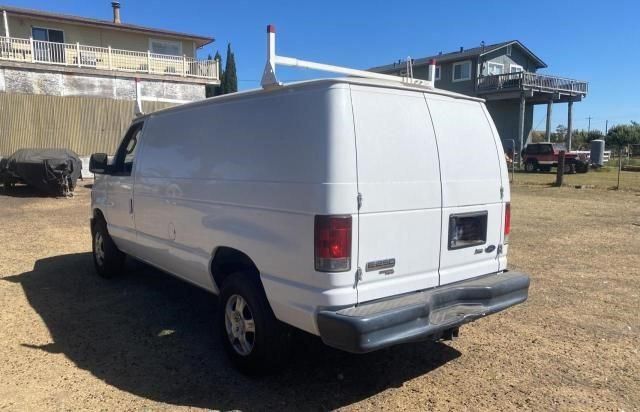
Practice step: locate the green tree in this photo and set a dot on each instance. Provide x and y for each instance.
(621, 136)
(582, 138)
(578, 139)
(594, 135)
(230, 79)
(537, 136)
(560, 135)
(209, 89)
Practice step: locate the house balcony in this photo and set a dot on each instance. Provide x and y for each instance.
(537, 88)
(107, 59)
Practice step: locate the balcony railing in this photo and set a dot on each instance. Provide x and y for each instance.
(105, 58)
(526, 81)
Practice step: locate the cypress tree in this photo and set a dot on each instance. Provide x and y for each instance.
(218, 90)
(230, 80)
(209, 89)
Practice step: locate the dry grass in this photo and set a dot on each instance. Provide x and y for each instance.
(70, 340)
(605, 178)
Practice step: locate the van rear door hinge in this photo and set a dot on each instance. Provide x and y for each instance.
(501, 192)
(359, 200)
(358, 277)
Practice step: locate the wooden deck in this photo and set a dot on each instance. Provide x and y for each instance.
(532, 83)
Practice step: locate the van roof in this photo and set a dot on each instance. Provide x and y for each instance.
(315, 83)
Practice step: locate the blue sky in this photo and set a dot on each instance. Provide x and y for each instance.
(587, 40)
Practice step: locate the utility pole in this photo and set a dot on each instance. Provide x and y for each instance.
(589, 127)
(606, 127)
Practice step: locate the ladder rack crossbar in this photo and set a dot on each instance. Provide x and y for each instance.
(269, 78)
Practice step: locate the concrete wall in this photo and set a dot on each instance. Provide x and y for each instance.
(85, 125)
(19, 80)
(93, 36)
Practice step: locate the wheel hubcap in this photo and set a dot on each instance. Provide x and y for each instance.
(99, 248)
(240, 325)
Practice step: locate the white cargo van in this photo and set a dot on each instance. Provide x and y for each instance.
(367, 212)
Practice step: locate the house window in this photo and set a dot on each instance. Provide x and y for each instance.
(514, 68)
(52, 35)
(509, 50)
(48, 45)
(173, 48)
(461, 71)
(495, 68)
(437, 73)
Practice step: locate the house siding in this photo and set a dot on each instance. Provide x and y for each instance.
(505, 115)
(20, 27)
(446, 82)
(500, 56)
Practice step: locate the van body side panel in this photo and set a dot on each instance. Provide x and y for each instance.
(399, 178)
(251, 174)
(471, 181)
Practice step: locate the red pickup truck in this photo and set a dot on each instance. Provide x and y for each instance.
(543, 156)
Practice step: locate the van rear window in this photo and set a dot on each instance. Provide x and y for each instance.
(467, 229)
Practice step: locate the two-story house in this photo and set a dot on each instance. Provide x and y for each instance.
(505, 74)
(76, 82)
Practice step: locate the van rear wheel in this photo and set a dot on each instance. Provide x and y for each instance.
(253, 338)
(107, 259)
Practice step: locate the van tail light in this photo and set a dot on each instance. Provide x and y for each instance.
(507, 222)
(332, 241)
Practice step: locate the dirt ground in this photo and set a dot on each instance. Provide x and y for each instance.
(70, 340)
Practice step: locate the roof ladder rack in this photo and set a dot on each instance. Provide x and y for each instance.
(269, 79)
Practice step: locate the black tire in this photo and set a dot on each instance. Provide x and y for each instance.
(530, 166)
(110, 262)
(545, 169)
(582, 167)
(270, 338)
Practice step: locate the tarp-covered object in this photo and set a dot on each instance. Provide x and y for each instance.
(54, 171)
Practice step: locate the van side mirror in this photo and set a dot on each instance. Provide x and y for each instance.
(98, 163)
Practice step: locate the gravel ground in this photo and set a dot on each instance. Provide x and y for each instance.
(70, 340)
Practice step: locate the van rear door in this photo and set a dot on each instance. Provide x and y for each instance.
(472, 191)
(399, 181)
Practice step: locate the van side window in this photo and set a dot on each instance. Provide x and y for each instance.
(125, 156)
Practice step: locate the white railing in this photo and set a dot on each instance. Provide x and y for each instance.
(587, 153)
(105, 58)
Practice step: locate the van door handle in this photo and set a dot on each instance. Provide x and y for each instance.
(131, 206)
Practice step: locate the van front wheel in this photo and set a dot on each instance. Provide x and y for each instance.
(107, 259)
(251, 335)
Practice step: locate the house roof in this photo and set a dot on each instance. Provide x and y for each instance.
(460, 55)
(37, 14)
